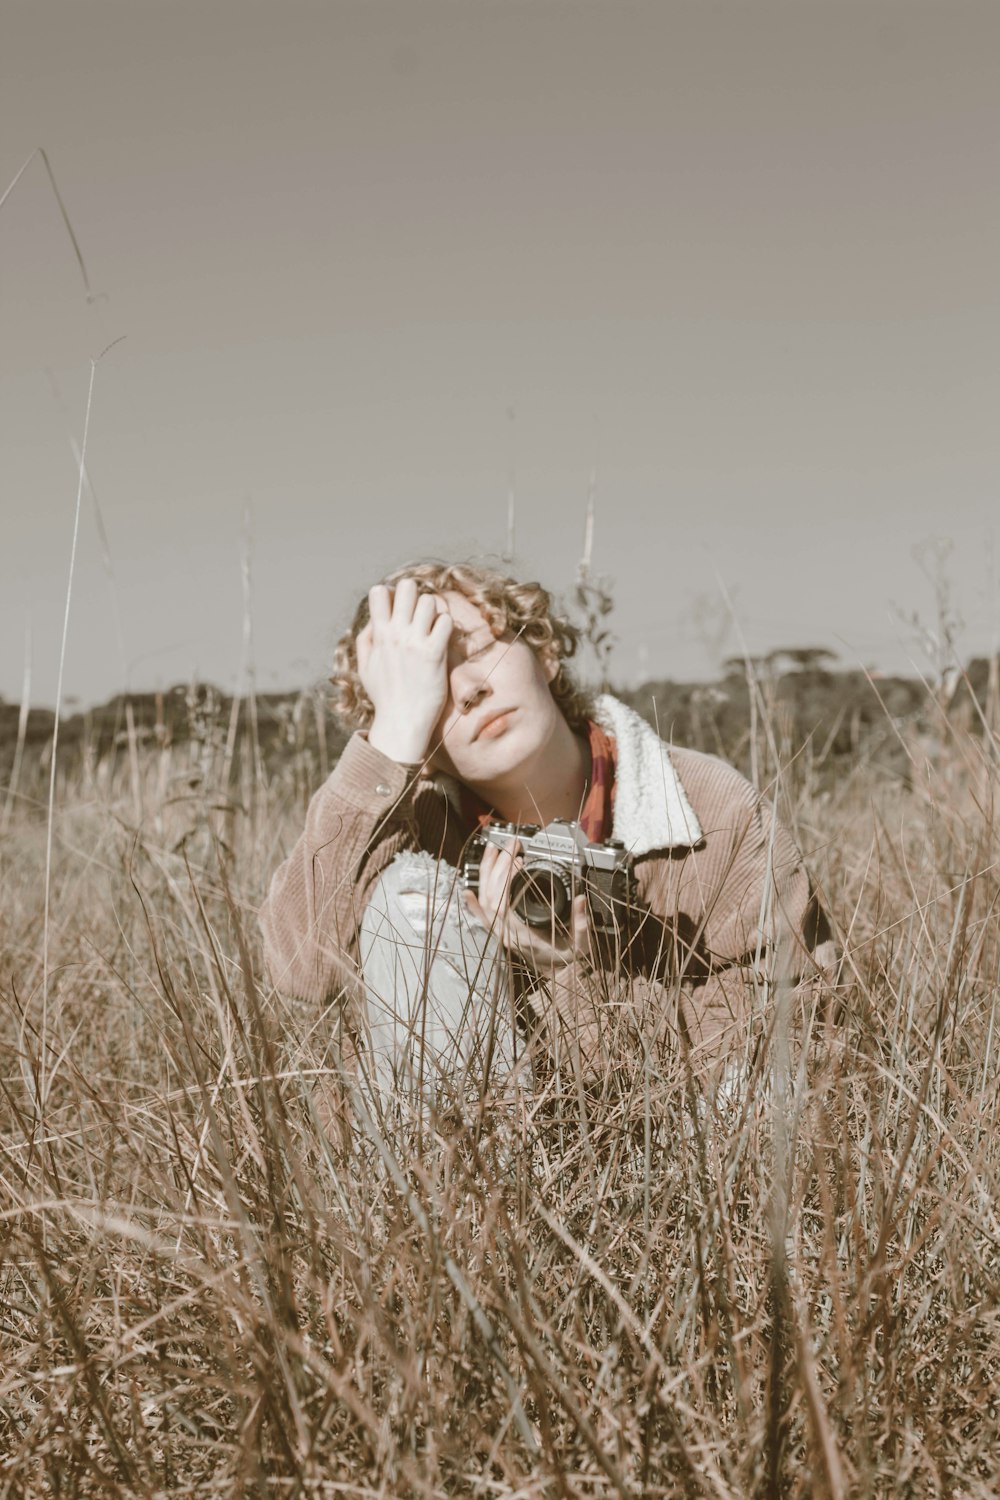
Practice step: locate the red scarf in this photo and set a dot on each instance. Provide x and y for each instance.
(597, 814)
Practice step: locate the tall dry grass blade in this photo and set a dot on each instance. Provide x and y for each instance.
(107, 561)
(458, 1280)
(751, 680)
(825, 1443)
(587, 556)
(22, 730)
(249, 662)
(41, 151)
(133, 761)
(55, 726)
(509, 548)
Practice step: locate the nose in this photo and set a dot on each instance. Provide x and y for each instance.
(469, 680)
(472, 696)
(469, 685)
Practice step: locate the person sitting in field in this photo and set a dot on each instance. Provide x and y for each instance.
(455, 679)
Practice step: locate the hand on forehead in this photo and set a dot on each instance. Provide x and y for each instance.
(467, 616)
(408, 597)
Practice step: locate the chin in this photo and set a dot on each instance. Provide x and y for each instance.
(513, 749)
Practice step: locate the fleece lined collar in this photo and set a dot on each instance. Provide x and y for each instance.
(652, 810)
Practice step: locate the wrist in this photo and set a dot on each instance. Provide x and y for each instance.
(398, 742)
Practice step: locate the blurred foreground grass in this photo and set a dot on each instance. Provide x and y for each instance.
(217, 1280)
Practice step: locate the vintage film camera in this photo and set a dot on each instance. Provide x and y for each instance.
(560, 862)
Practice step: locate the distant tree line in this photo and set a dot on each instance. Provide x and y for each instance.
(809, 707)
(795, 692)
(275, 725)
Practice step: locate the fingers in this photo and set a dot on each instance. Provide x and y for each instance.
(441, 630)
(425, 611)
(495, 870)
(363, 645)
(543, 948)
(487, 881)
(404, 605)
(404, 601)
(394, 605)
(475, 906)
(379, 605)
(580, 926)
(497, 867)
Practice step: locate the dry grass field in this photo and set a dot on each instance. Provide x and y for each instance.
(221, 1278)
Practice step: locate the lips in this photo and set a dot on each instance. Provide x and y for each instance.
(493, 724)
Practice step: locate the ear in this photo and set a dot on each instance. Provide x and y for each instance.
(550, 666)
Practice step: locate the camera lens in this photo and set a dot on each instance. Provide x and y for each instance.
(541, 893)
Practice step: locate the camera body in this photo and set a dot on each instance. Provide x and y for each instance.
(558, 863)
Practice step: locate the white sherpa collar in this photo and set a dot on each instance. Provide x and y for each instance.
(652, 810)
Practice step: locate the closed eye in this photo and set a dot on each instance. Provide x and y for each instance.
(479, 647)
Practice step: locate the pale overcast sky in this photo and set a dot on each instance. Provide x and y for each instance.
(371, 260)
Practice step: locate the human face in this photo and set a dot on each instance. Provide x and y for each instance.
(500, 714)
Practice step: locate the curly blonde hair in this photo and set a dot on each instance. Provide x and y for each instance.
(525, 609)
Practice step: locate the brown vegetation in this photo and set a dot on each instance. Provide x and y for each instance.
(222, 1277)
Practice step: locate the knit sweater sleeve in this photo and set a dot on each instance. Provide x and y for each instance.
(750, 893)
(358, 821)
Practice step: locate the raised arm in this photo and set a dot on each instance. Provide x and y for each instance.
(358, 821)
(363, 816)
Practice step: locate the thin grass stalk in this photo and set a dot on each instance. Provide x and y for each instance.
(780, 1272)
(55, 731)
(244, 685)
(455, 1275)
(41, 151)
(825, 1443)
(246, 570)
(107, 561)
(509, 548)
(990, 1034)
(749, 674)
(135, 775)
(22, 730)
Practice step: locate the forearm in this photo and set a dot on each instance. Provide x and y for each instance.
(357, 822)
